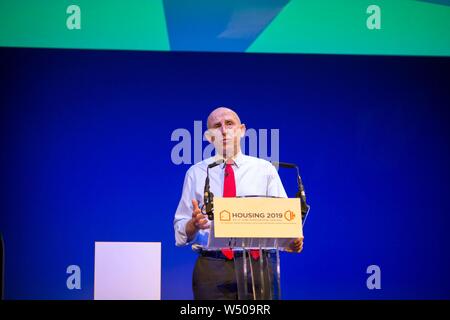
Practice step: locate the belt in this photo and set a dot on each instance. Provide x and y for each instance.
(217, 254)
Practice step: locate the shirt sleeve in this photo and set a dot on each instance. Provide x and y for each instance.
(184, 210)
(275, 186)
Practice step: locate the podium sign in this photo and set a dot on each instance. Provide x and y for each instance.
(257, 218)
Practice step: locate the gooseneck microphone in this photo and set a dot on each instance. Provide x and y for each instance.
(301, 189)
(208, 196)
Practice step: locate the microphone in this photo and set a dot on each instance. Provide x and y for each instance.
(208, 196)
(284, 165)
(301, 189)
(215, 163)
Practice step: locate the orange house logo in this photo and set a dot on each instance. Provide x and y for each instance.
(225, 215)
(289, 215)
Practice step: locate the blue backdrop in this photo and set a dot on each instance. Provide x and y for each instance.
(86, 156)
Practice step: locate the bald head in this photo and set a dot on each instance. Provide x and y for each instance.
(225, 131)
(222, 113)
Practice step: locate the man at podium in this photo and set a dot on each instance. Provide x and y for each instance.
(240, 175)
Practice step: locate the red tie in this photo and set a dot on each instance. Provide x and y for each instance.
(229, 191)
(229, 184)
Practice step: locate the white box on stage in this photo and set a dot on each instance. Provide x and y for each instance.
(127, 271)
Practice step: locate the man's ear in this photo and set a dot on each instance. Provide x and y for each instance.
(209, 136)
(243, 129)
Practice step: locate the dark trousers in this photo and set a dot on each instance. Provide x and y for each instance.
(215, 278)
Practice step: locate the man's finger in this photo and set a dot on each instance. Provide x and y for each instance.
(204, 226)
(195, 204)
(201, 223)
(199, 216)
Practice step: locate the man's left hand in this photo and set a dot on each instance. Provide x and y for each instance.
(296, 245)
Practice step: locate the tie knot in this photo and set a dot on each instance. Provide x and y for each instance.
(229, 162)
(228, 168)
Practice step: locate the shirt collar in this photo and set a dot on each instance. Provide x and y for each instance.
(237, 159)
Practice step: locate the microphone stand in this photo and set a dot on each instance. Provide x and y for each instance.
(208, 196)
(301, 189)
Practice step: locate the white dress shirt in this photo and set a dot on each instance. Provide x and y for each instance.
(253, 176)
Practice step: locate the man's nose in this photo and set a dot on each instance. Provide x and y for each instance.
(223, 130)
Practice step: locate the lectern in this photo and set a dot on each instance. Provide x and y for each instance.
(256, 229)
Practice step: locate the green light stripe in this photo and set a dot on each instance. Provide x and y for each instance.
(407, 28)
(105, 24)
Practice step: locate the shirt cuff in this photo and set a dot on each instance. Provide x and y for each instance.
(181, 238)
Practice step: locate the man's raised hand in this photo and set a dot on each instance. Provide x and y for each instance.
(199, 220)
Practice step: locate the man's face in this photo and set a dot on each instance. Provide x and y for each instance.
(225, 131)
